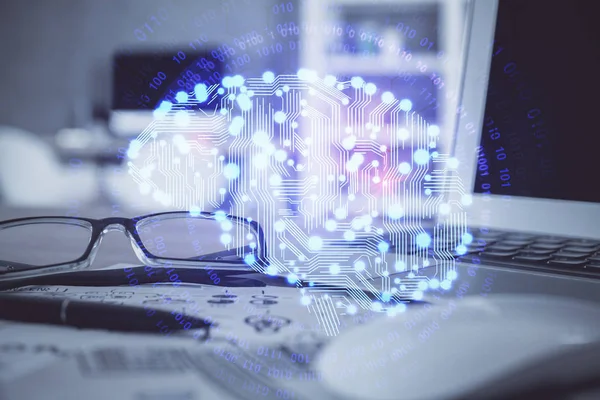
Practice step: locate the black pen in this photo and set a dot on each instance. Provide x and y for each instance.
(89, 315)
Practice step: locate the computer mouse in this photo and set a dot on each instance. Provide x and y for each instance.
(444, 350)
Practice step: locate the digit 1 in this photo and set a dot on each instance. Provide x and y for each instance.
(505, 171)
(501, 149)
(148, 27)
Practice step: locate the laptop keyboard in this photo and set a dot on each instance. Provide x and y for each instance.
(580, 257)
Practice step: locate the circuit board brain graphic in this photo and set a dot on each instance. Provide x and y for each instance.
(343, 177)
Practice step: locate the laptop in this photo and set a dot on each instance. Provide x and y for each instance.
(527, 146)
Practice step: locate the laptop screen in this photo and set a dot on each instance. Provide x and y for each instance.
(540, 137)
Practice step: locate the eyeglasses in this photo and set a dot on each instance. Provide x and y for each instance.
(39, 246)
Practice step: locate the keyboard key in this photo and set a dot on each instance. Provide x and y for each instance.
(491, 255)
(532, 258)
(550, 240)
(535, 252)
(562, 262)
(571, 255)
(595, 258)
(501, 247)
(517, 243)
(584, 242)
(593, 266)
(581, 249)
(545, 246)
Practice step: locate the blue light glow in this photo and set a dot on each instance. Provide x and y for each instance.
(315, 243)
(467, 238)
(452, 275)
(231, 171)
(446, 284)
(292, 278)
(249, 259)
(357, 82)
(434, 284)
(461, 249)
(428, 192)
(268, 77)
(422, 285)
(370, 89)
(181, 97)
(244, 102)
(421, 157)
(237, 123)
(201, 92)
(165, 105)
(404, 168)
(423, 239)
(279, 117)
(220, 90)
(383, 247)
(195, 211)
(406, 105)
(237, 80)
(329, 80)
(386, 296)
(220, 216)
(387, 97)
(334, 269)
(359, 266)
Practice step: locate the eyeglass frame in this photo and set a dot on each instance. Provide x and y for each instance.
(128, 226)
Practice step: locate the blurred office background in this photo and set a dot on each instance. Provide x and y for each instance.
(62, 124)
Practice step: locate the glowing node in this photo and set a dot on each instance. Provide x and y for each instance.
(181, 97)
(404, 168)
(427, 177)
(329, 80)
(334, 269)
(278, 92)
(182, 118)
(315, 243)
(466, 200)
(387, 97)
(395, 211)
(349, 142)
(452, 275)
(231, 171)
(376, 306)
(292, 278)
(403, 134)
(434, 284)
(261, 138)
(467, 238)
(418, 295)
(452, 163)
(279, 117)
(345, 101)
(244, 102)
(421, 157)
(423, 239)
(237, 123)
(446, 284)
(428, 192)
(359, 266)
(433, 130)
(383, 247)
(406, 105)
(226, 225)
(226, 238)
(268, 77)
(370, 89)
(331, 225)
(305, 300)
(461, 249)
(279, 226)
(349, 236)
(357, 82)
(195, 211)
(444, 208)
(275, 180)
(422, 286)
(351, 309)
(222, 191)
(237, 80)
(201, 92)
(286, 88)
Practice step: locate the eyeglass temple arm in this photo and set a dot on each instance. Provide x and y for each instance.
(7, 267)
(224, 253)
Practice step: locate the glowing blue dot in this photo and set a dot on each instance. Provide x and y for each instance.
(433, 130)
(181, 97)
(231, 171)
(227, 82)
(446, 284)
(315, 243)
(387, 97)
(220, 90)
(249, 259)
(428, 192)
(421, 157)
(311, 284)
(237, 123)
(417, 295)
(220, 215)
(404, 168)
(237, 80)
(349, 236)
(268, 77)
(376, 306)
(359, 266)
(244, 102)
(406, 105)
(226, 225)
(278, 92)
(452, 275)
(286, 88)
(357, 82)
(222, 191)
(397, 281)
(201, 92)
(271, 270)
(195, 211)
(422, 286)
(467, 238)
(226, 238)
(434, 284)
(386, 296)
(423, 240)
(370, 89)
(383, 247)
(401, 307)
(435, 154)
(461, 249)
(305, 300)
(165, 105)
(329, 80)
(279, 117)
(427, 177)
(334, 269)
(292, 278)
(331, 225)
(351, 309)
